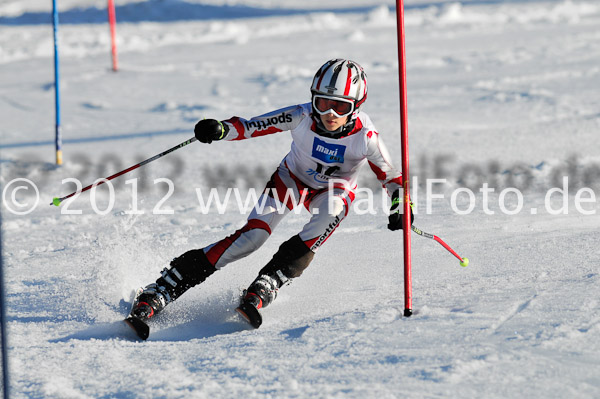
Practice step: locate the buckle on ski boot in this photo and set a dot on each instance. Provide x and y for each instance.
(143, 311)
(151, 301)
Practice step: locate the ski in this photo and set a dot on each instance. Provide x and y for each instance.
(141, 329)
(250, 314)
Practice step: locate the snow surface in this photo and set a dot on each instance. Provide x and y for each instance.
(500, 92)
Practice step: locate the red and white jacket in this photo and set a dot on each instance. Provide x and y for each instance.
(316, 159)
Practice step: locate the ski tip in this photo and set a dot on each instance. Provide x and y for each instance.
(56, 201)
(250, 314)
(140, 328)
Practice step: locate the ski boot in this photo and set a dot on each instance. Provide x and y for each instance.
(185, 272)
(260, 294)
(147, 303)
(151, 301)
(289, 262)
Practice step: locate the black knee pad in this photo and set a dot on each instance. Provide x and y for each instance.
(193, 266)
(186, 271)
(291, 259)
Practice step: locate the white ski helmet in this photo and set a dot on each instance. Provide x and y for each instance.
(342, 80)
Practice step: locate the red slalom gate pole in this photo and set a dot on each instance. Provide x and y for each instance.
(112, 20)
(404, 143)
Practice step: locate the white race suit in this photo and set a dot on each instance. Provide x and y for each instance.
(320, 172)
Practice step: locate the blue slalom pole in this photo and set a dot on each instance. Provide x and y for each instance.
(3, 343)
(58, 139)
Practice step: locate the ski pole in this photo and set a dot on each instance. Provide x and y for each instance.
(57, 200)
(464, 262)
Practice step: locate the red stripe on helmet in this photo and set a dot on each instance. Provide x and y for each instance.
(348, 81)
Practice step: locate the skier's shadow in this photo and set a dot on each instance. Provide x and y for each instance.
(100, 331)
(199, 329)
(164, 328)
(196, 329)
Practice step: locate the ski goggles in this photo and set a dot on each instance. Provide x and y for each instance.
(338, 106)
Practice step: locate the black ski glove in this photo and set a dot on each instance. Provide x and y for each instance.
(395, 218)
(209, 130)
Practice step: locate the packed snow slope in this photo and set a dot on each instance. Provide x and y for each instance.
(503, 95)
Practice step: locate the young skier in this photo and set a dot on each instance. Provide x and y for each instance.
(332, 140)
